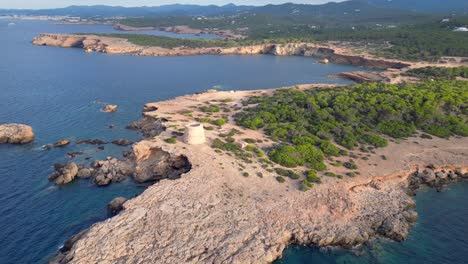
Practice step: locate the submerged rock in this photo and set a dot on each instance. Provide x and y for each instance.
(122, 142)
(116, 205)
(91, 141)
(16, 134)
(64, 173)
(109, 108)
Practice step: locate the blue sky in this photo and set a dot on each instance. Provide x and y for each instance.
(37, 4)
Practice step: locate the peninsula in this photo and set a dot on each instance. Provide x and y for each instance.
(245, 199)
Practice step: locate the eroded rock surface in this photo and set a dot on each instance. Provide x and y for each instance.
(16, 134)
(64, 173)
(122, 46)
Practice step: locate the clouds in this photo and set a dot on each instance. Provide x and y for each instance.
(38, 4)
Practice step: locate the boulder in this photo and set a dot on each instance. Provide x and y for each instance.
(91, 141)
(109, 108)
(428, 175)
(149, 126)
(16, 134)
(85, 173)
(64, 173)
(61, 143)
(395, 227)
(122, 142)
(116, 205)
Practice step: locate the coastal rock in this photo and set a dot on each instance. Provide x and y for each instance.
(85, 173)
(111, 170)
(64, 173)
(91, 141)
(74, 154)
(122, 142)
(149, 108)
(16, 134)
(153, 163)
(395, 227)
(109, 108)
(428, 175)
(61, 143)
(116, 205)
(149, 126)
(122, 46)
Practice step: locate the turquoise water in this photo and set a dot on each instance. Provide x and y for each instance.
(59, 93)
(439, 236)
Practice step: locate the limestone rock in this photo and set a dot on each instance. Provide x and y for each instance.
(61, 143)
(109, 108)
(122, 142)
(16, 134)
(64, 173)
(395, 227)
(116, 205)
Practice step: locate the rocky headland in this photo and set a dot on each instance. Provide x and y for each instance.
(16, 134)
(339, 53)
(211, 211)
(111, 45)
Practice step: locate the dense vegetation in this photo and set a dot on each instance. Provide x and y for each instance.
(307, 124)
(169, 43)
(439, 72)
(396, 35)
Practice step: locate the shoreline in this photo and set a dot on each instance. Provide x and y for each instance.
(224, 34)
(391, 70)
(252, 219)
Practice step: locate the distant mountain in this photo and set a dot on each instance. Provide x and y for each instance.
(109, 11)
(428, 6)
(364, 8)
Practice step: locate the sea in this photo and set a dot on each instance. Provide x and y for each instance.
(59, 92)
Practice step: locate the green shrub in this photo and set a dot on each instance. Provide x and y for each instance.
(218, 122)
(280, 179)
(396, 129)
(374, 140)
(170, 140)
(350, 165)
(312, 177)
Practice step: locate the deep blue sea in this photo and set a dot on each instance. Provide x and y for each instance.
(59, 92)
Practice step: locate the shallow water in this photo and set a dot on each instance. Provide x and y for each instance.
(59, 92)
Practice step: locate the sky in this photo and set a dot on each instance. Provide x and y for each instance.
(40, 4)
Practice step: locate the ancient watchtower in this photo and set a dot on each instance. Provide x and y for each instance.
(194, 134)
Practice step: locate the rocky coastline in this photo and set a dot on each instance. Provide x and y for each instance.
(110, 45)
(219, 215)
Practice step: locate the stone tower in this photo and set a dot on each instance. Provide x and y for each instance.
(194, 134)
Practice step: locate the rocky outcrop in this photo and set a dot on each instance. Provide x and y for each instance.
(91, 141)
(116, 205)
(16, 134)
(435, 178)
(149, 126)
(109, 108)
(64, 173)
(146, 162)
(121, 46)
(122, 142)
(61, 143)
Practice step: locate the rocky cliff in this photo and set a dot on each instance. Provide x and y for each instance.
(110, 45)
(214, 213)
